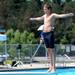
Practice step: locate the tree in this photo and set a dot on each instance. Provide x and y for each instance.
(17, 36)
(68, 0)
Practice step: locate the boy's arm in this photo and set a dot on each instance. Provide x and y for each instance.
(63, 15)
(37, 18)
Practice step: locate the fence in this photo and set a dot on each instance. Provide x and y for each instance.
(26, 51)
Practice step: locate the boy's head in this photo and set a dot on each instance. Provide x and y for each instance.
(47, 8)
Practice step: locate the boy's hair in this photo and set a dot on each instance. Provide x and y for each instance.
(48, 6)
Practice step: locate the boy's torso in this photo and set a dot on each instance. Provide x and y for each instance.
(48, 23)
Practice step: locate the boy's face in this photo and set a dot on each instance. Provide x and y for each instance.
(46, 10)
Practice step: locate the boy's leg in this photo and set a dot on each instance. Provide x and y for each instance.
(52, 59)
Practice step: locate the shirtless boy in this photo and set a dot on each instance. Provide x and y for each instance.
(48, 33)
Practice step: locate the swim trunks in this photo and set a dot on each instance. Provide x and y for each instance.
(48, 39)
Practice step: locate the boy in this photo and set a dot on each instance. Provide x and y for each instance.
(48, 33)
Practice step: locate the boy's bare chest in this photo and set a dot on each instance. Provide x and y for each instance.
(47, 19)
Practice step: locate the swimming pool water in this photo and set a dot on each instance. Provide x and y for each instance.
(62, 71)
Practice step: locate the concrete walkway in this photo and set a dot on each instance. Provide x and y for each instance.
(35, 66)
(60, 62)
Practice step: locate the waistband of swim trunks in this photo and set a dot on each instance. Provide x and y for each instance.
(47, 32)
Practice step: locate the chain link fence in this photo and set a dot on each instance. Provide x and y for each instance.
(25, 52)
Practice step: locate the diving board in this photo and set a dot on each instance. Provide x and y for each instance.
(24, 72)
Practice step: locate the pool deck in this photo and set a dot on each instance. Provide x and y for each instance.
(39, 65)
(35, 66)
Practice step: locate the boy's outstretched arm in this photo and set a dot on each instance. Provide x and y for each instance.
(63, 15)
(37, 18)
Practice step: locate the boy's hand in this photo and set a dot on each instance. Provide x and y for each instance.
(71, 14)
(31, 19)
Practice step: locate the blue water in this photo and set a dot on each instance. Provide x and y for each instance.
(59, 71)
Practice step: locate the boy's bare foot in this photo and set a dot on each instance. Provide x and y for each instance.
(51, 69)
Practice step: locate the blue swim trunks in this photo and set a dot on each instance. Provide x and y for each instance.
(48, 39)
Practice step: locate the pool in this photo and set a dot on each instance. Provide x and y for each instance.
(59, 71)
